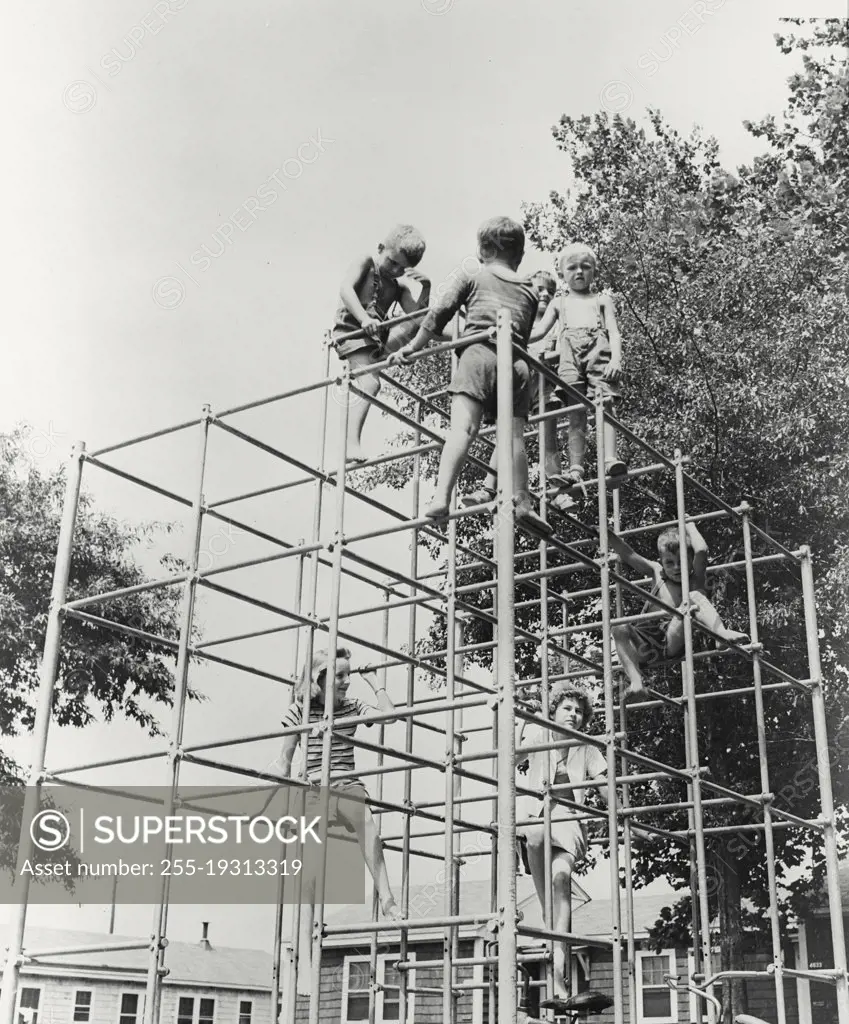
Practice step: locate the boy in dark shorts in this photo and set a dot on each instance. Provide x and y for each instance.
(370, 288)
(497, 285)
(641, 645)
(543, 349)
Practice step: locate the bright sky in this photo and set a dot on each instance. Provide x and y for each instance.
(188, 180)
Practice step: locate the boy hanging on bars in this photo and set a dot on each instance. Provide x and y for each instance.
(642, 645)
(370, 288)
(497, 285)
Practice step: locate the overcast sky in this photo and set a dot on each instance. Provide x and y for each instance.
(187, 179)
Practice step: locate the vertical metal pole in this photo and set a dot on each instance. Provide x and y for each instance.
(284, 885)
(451, 895)
(505, 679)
(44, 706)
(545, 668)
(330, 694)
(302, 913)
(760, 719)
(691, 725)
(406, 825)
(609, 718)
(375, 902)
(178, 715)
(449, 1003)
(630, 957)
(832, 863)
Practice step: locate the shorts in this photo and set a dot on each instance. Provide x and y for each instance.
(476, 375)
(347, 348)
(390, 340)
(584, 356)
(348, 801)
(549, 398)
(568, 836)
(649, 640)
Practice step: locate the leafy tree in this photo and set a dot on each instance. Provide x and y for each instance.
(102, 673)
(732, 291)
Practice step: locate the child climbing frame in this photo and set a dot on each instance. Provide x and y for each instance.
(408, 591)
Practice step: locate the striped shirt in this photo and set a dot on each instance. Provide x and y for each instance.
(341, 748)
(483, 294)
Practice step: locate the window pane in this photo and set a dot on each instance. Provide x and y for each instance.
(185, 1010)
(357, 1007)
(130, 1003)
(82, 1006)
(28, 1006)
(206, 1013)
(358, 976)
(245, 1007)
(654, 968)
(657, 1003)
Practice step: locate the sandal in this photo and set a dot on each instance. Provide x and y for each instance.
(482, 496)
(563, 501)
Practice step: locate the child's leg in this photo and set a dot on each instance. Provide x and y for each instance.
(561, 902)
(359, 406)
(577, 440)
(613, 465)
(466, 413)
(561, 917)
(553, 465)
(623, 638)
(372, 849)
(709, 616)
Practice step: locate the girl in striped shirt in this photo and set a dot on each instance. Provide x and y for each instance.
(342, 764)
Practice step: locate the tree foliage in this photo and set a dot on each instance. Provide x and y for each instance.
(102, 673)
(733, 297)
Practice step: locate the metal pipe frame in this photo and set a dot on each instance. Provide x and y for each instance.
(447, 600)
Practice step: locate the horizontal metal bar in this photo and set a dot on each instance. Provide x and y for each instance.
(549, 935)
(412, 923)
(152, 436)
(137, 480)
(99, 948)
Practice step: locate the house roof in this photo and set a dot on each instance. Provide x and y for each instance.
(591, 918)
(188, 963)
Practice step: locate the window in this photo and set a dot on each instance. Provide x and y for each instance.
(82, 1005)
(656, 1002)
(355, 990)
(129, 1008)
(28, 1002)
(200, 1011)
(245, 1009)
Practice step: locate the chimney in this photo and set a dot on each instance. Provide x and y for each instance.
(204, 939)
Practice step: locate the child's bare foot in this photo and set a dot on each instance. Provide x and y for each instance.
(390, 909)
(437, 510)
(526, 516)
(355, 453)
(634, 691)
(734, 636)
